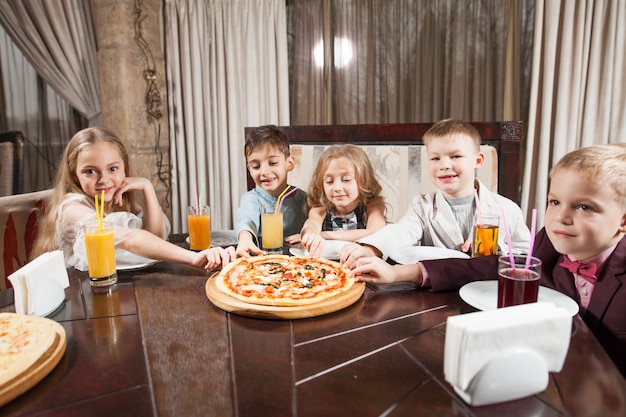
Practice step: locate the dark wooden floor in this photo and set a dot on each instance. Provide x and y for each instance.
(156, 346)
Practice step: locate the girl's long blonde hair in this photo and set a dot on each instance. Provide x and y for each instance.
(355, 158)
(66, 182)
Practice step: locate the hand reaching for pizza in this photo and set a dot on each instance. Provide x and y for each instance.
(214, 258)
(246, 247)
(314, 244)
(293, 239)
(352, 252)
(377, 271)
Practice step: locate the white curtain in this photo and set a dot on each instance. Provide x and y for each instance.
(57, 38)
(578, 93)
(227, 69)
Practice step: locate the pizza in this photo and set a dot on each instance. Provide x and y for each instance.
(281, 280)
(24, 340)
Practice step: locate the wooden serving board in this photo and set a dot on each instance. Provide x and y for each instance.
(329, 305)
(38, 371)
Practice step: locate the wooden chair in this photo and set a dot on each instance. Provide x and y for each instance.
(400, 145)
(19, 215)
(11, 163)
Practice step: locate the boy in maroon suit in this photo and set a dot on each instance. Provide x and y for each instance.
(582, 246)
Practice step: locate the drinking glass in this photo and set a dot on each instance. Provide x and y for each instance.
(486, 227)
(272, 229)
(100, 253)
(518, 284)
(199, 225)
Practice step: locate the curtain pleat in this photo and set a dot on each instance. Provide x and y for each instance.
(227, 69)
(57, 38)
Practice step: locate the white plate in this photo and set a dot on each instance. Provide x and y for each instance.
(132, 267)
(483, 295)
(331, 250)
(414, 254)
(221, 238)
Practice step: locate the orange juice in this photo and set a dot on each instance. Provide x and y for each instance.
(199, 231)
(485, 240)
(100, 248)
(485, 234)
(272, 231)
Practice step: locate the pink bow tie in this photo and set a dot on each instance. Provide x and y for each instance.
(587, 271)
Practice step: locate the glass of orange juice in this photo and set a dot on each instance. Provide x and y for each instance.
(199, 225)
(486, 227)
(100, 253)
(272, 229)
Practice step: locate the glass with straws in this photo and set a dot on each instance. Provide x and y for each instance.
(100, 247)
(272, 224)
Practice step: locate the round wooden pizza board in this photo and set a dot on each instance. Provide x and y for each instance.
(39, 370)
(329, 305)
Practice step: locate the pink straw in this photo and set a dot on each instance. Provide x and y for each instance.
(280, 204)
(533, 227)
(508, 239)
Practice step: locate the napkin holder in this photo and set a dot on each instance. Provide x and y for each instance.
(506, 377)
(39, 286)
(505, 354)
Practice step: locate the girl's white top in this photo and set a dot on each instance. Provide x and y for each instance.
(75, 211)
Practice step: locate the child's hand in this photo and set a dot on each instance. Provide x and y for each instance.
(248, 250)
(245, 246)
(314, 244)
(293, 239)
(131, 184)
(466, 246)
(214, 258)
(376, 271)
(351, 252)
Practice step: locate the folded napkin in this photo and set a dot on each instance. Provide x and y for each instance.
(39, 286)
(473, 340)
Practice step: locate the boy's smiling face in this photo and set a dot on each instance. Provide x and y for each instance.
(583, 217)
(268, 167)
(452, 163)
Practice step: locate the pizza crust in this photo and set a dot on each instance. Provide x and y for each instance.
(283, 281)
(23, 341)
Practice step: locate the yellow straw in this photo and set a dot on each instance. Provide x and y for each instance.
(279, 197)
(97, 211)
(100, 210)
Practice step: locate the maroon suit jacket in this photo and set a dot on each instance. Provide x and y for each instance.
(606, 313)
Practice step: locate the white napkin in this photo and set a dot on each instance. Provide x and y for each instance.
(473, 339)
(39, 286)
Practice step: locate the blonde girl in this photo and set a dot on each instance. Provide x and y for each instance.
(96, 161)
(345, 199)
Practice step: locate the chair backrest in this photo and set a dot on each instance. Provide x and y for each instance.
(11, 163)
(396, 151)
(19, 215)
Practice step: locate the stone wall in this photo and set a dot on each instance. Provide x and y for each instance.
(131, 73)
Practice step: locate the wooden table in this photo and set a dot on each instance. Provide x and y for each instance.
(156, 346)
